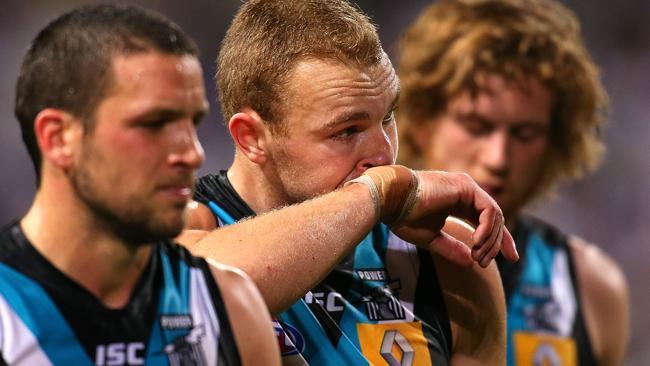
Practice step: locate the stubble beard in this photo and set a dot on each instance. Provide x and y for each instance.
(130, 220)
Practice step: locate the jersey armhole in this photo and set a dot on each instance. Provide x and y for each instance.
(226, 337)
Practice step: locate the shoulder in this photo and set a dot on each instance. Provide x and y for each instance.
(597, 268)
(248, 315)
(233, 281)
(199, 221)
(475, 304)
(604, 300)
(199, 217)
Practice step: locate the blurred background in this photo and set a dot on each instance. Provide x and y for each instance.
(611, 208)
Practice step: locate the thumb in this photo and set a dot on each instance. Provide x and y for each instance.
(451, 249)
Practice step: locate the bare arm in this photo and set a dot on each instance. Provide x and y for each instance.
(288, 251)
(249, 318)
(476, 307)
(605, 302)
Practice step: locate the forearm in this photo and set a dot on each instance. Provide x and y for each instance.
(288, 251)
(476, 306)
(478, 317)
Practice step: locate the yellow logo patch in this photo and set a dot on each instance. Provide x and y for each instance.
(394, 344)
(536, 349)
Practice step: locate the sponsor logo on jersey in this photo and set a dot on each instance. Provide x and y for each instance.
(394, 344)
(532, 349)
(536, 291)
(382, 302)
(290, 340)
(185, 350)
(547, 316)
(332, 301)
(176, 321)
(372, 275)
(119, 353)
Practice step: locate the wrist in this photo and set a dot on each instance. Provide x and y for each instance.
(394, 190)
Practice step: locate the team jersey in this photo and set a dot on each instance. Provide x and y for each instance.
(545, 323)
(175, 315)
(382, 305)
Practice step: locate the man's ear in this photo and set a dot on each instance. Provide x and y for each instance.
(250, 134)
(57, 133)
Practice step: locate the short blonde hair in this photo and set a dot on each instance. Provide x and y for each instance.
(267, 38)
(453, 41)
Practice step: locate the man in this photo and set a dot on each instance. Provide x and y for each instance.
(107, 99)
(507, 92)
(309, 97)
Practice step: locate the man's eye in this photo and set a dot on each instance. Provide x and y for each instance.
(345, 133)
(153, 125)
(527, 133)
(389, 117)
(476, 128)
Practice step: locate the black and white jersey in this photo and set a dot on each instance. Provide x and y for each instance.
(175, 315)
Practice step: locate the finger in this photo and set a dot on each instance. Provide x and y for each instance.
(491, 241)
(508, 247)
(484, 227)
(451, 249)
(493, 244)
(485, 261)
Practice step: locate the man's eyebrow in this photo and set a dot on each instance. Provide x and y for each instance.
(346, 117)
(350, 116)
(168, 114)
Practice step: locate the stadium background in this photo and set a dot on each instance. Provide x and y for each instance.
(611, 208)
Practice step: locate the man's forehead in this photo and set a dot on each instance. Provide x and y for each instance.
(153, 66)
(152, 79)
(317, 74)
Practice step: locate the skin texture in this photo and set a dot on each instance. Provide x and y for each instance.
(339, 124)
(500, 139)
(605, 301)
(342, 117)
(481, 310)
(126, 182)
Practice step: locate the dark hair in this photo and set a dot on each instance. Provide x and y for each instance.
(68, 65)
(268, 37)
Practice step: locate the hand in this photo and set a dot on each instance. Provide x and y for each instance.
(437, 195)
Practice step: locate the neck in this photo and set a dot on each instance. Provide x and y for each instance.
(255, 186)
(64, 231)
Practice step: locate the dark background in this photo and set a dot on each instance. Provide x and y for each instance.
(611, 208)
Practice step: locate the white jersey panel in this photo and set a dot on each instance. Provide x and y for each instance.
(17, 343)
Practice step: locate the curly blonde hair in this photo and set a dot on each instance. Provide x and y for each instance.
(453, 41)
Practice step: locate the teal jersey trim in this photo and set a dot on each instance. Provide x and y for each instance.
(221, 213)
(173, 300)
(317, 348)
(39, 313)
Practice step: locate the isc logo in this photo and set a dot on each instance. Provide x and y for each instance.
(117, 354)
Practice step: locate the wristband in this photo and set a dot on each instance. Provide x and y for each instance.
(394, 190)
(374, 192)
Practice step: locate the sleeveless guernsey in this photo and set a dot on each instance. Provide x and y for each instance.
(175, 315)
(545, 324)
(382, 305)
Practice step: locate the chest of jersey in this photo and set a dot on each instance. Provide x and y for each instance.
(170, 321)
